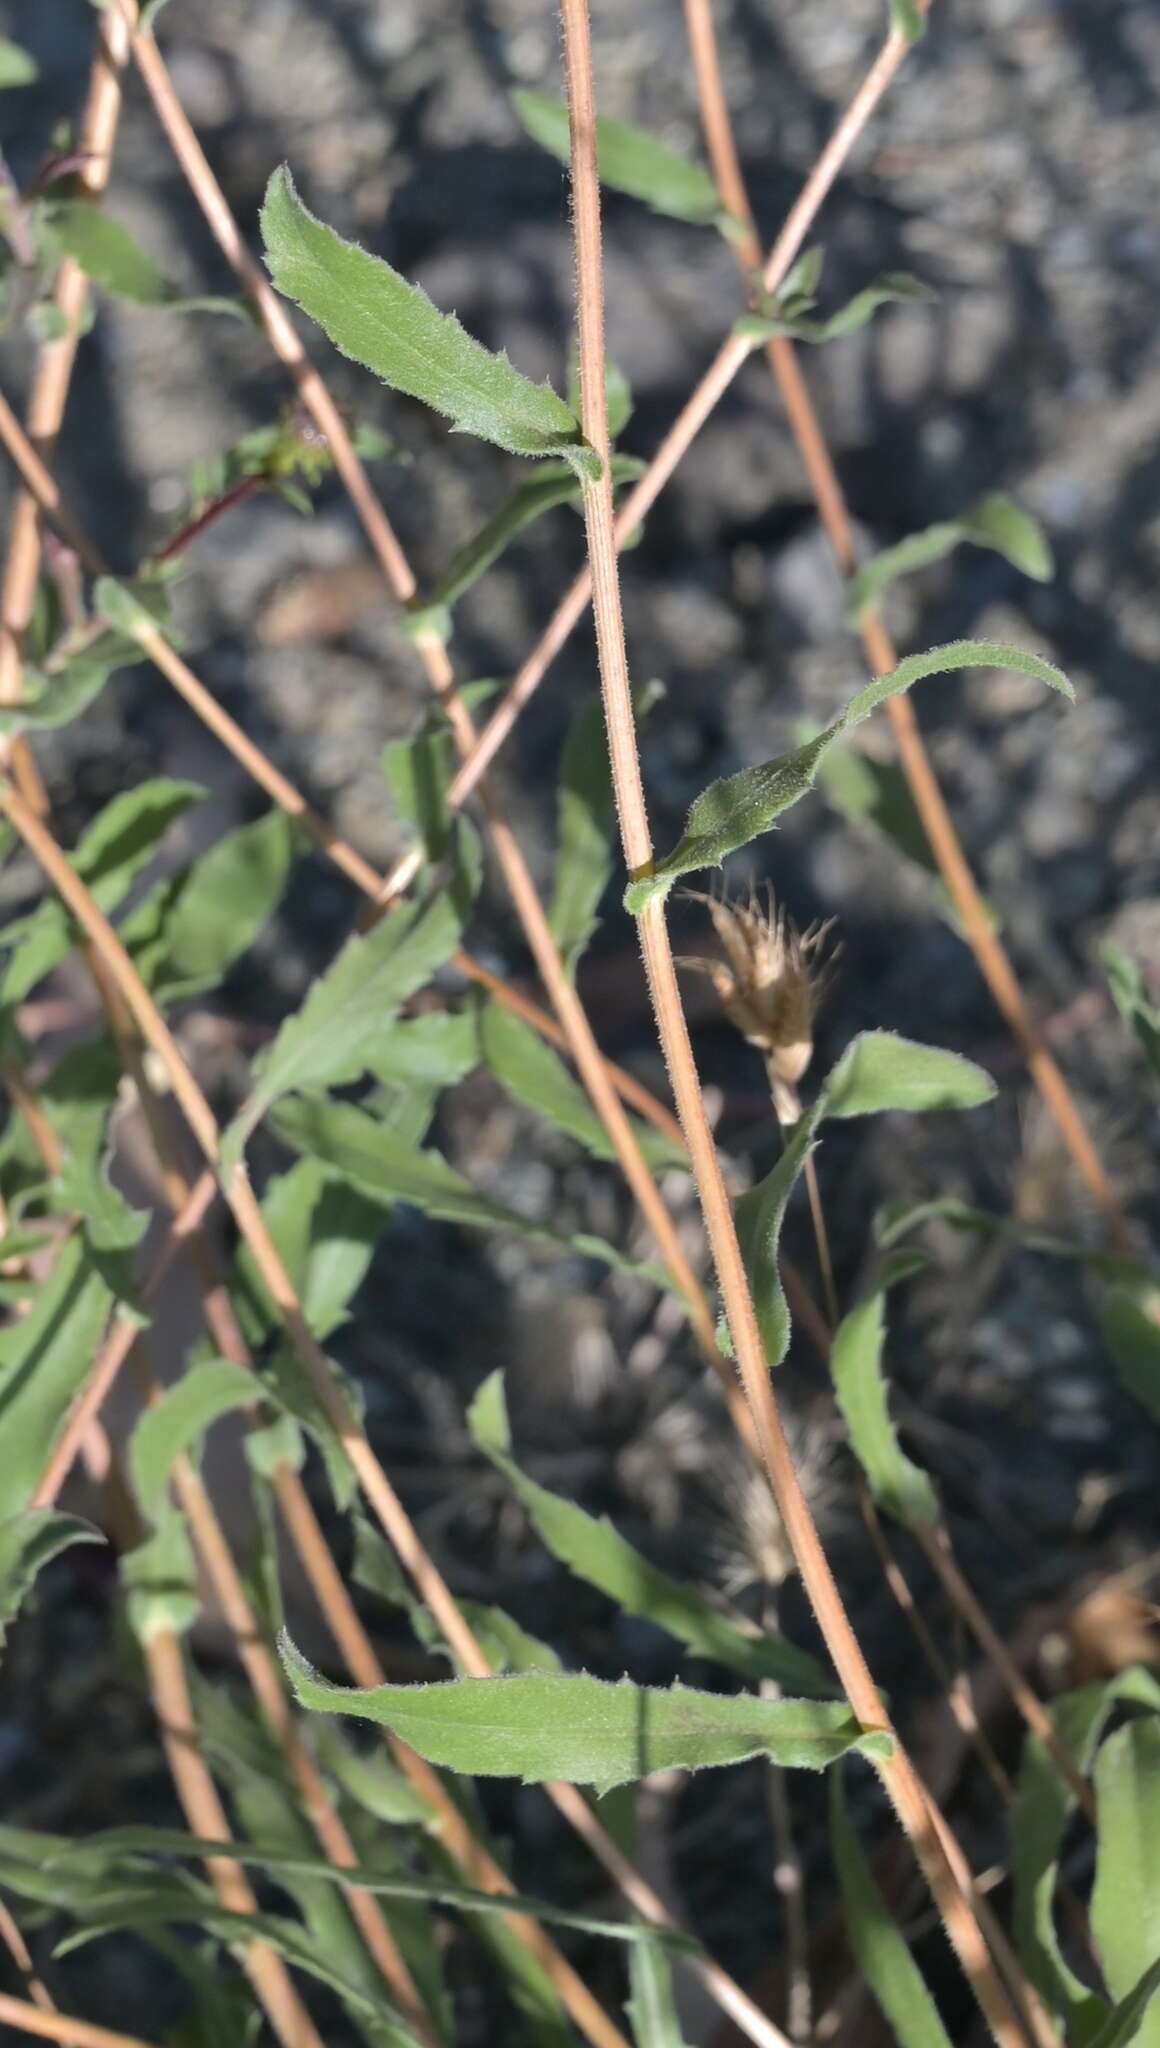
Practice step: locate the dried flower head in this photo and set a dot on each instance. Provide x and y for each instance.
(770, 983)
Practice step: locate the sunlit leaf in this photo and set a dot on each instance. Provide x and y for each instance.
(736, 810)
(159, 1580)
(374, 316)
(325, 1232)
(598, 1553)
(543, 1725)
(628, 160)
(651, 2006)
(1125, 1908)
(176, 1424)
(534, 1075)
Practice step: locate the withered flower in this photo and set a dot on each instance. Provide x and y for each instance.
(770, 984)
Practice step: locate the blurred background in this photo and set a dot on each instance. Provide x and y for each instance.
(1015, 169)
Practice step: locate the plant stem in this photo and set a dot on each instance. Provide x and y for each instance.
(60, 2026)
(940, 1860)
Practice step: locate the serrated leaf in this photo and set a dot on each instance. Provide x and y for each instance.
(332, 1037)
(185, 938)
(176, 1424)
(1132, 1335)
(736, 810)
(108, 254)
(363, 1151)
(542, 1725)
(880, 1071)
(374, 316)
(1125, 1908)
(45, 1359)
(996, 522)
(599, 1554)
(28, 1542)
(896, 288)
(555, 483)
(879, 1949)
(628, 160)
(897, 1484)
(17, 66)
(534, 1075)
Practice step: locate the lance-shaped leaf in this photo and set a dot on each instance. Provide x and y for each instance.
(159, 1580)
(628, 161)
(44, 1360)
(545, 1725)
(389, 1169)
(896, 288)
(106, 252)
(651, 2006)
(996, 522)
(1123, 2022)
(177, 1423)
(332, 1037)
(325, 1233)
(374, 316)
(586, 812)
(535, 1076)
(1133, 1340)
(1125, 1906)
(736, 810)
(897, 1484)
(598, 1553)
(555, 483)
(187, 935)
(28, 1542)
(879, 1949)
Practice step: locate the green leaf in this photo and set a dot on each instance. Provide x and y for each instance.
(597, 1553)
(374, 316)
(1132, 1336)
(389, 1169)
(17, 67)
(159, 1580)
(897, 1484)
(542, 1725)
(1125, 1907)
(332, 1038)
(587, 817)
(617, 399)
(996, 522)
(907, 19)
(107, 253)
(177, 1423)
(186, 937)
(732, 812)
(1123, 2022)
(45, 1359)
(55, 695)
(433, 1050)
(651, 2007)
(534, 1075)
(325, 1233)
(796, 323)
(1131, 999)
(879, 1949)
(628, 161)
(28, 1542)
(555, 483)
(880, 1071)
(118, 843)
(758, 1216)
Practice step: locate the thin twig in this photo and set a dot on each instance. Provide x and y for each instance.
(60, 2026)
(941, 1862)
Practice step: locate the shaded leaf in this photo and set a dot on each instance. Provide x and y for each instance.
(1123, 2022)
(587, 818)
(628, 160)
(325, 1232)
(796, 323)
(908, 19)
(332, 1038)
(159, 1580)
(877, 794)
(651, 2007)
(186, 936)
(758, 1216)
(897, 1484)
(28, 1542)
(996, 522)
(374, 316)
(598, 1553)
(17, 67)
(45, 1359)
(1125, 1908)
(879, 1949)
(534, 1075)
(1132, 1335)
(176, 1424)
(107, 253)
(544, 1725)
(732, 812)
(1131, 999)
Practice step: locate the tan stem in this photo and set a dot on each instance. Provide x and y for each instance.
(60, 2026)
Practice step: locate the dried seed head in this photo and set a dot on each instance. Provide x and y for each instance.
(770, 982)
